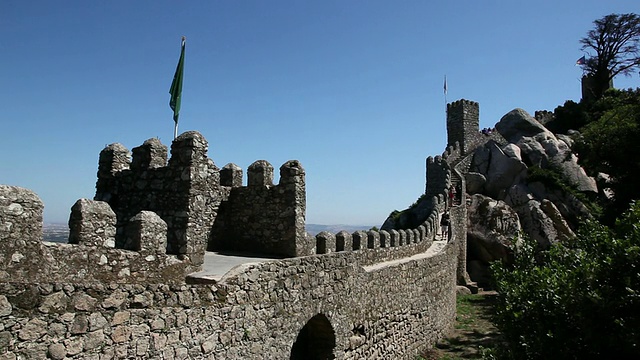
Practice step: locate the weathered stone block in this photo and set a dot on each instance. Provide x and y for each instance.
(373, 239)
(147, 233)
(360, 239)
(20, 216)
(92, 223)
(231, 175)
(325, 243)
(151, 154)
(344, 241)
(260, 173)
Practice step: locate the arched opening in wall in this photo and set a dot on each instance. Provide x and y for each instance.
(315, 341)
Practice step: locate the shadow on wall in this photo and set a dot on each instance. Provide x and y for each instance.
(315, 341)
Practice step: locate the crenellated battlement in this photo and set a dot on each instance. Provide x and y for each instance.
(438, 176)
(120, 283)
(231, 175)
(173, 188)
(453, 153)
(262, 217)
(205, 207)
(90, 255)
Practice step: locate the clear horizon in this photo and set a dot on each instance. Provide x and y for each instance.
(352, 89)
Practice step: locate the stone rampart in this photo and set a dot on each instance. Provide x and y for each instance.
(262, 217)
(463, 127)
(365, 295)
(203, 206)
(371, 247)
(285, 309)
(185, 193)
(90, 256)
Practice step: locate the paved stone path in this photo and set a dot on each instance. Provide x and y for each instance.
(217, 264)
(434, 249)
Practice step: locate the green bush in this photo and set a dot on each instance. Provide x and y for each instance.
(576, 301)
(570, 116)
(551, 178)
(609, 145)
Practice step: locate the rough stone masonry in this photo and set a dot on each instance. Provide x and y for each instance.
(122, 287)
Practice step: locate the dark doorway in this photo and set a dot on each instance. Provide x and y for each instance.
(315, 341)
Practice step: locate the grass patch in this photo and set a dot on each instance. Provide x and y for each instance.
(467, 311)
(474, 336)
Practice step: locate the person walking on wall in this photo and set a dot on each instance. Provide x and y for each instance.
(452, 195)
(444, 224)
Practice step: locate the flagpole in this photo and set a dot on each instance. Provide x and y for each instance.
(175, 130)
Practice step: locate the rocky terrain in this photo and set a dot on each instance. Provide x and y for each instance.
(530, 183)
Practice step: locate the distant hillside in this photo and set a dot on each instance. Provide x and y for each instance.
(314, 229)
(55, 232)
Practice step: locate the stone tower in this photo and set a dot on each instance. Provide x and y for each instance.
(463, 124)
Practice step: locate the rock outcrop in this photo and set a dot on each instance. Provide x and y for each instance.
(546, 214)
(542, 148)
(506, 199)
(492, 229)
(519, 178)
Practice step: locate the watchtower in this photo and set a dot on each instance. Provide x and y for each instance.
(463, 124)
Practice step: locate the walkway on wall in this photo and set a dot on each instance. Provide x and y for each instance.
(435, 248)
(217, 264)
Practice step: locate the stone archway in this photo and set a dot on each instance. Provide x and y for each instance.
(316, 340)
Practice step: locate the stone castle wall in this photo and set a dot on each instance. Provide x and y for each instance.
(202, 203)
(185, 193)
(261, 217)
(463, 127)
(368, 308)
(255, 312)
(91, 256)
(119, 290)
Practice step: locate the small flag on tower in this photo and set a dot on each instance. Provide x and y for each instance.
(445, 85)
(580, 61)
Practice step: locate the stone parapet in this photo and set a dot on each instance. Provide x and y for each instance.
(387, 311)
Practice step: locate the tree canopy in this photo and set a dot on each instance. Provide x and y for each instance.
(615, 39)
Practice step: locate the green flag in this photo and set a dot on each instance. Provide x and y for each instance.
(176, 85)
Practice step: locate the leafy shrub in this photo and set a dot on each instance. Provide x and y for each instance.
(551, 178)
(609, 145)
(578, 300)
(570, 116)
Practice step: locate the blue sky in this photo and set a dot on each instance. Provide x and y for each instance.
(352, 89)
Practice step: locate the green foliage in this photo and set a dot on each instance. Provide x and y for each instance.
(612, 99)
(395, 214)
(569, 116)
(575, 116)
(551, 178)
(610, 145)
(615, 39)
(465, 316)
(409, 221)
(415, 203)
(578, 300)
